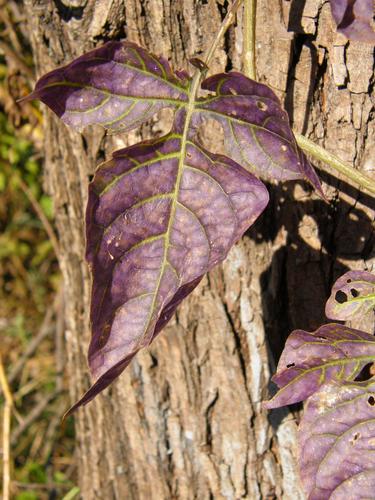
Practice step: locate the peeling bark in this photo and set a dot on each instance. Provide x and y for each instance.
(185, 420)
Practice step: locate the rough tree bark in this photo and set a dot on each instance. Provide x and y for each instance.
(185, 420)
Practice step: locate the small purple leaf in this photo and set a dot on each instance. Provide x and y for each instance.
(257, 133)
(337, 442)
(118, 85)
(354, 19)
(156, 223)
(352, 295)
(309, 360)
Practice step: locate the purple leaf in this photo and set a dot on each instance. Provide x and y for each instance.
(309, 360)
(337, 442)
(118, 85)
(352, 295)
(354, 19)
(257, 133)
(157, 221)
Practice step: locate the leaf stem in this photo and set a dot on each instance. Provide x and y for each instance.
(196, 81)
(249, 28)
(228, 20)
(320, 153)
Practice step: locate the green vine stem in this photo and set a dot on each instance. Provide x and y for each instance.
(228, 20)
(199, 73)
(249, 26)
(319, 153)
(197, 78)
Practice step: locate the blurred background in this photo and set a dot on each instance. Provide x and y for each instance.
(36, 448)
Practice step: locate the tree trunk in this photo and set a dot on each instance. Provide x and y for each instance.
(185, 420)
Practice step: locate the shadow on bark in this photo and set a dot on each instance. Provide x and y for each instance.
(297, 283)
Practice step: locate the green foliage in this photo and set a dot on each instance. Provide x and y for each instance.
(73, 493)
(29, 278)
(27, 495)
(28, 270)
(42, 463)
(34, 473)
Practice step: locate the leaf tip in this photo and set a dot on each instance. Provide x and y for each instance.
(268, 405)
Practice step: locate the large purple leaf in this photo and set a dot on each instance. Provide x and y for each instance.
(118, 85)
(354, 18)
(157, 220)
(309, 360)
(257, 133)
(352, 295)
(337, 442)
(121, 85)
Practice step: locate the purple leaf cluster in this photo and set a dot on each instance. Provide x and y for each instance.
(309, 360)
(337, 430)
(120, 85)
(354, 19)
(162, 213)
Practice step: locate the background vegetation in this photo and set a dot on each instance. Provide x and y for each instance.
(31, 322)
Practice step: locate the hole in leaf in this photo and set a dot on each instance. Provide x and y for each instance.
(290, 365)
(322, 337)
(365, 373)
(211, 134)
(262, 106)
(341, 297)
(356, 436)
(348, 280)
(371, 401)
(354, 292)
